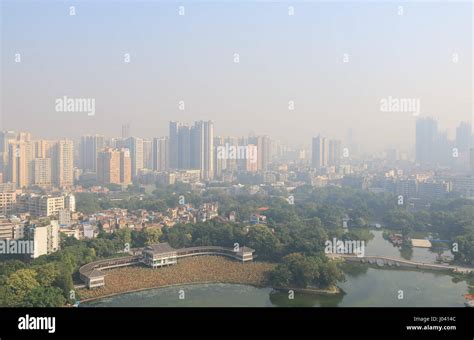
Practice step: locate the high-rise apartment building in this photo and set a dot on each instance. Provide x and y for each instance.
(43, 148)
(203, 148)
(173, 144)
(125, 167)
(45, 238)
(114, 166)
(334, 152)
(320, 152)
(41, 162)
(471, 158)
(147, 154)
(125, 131)
(90, 147)
(44, 205)
(108, 166)
(42, 172)
(63, 163)
(192, 147)
(10, 230)
(263, 152)
(5, 138)
(70, 202)
(184, 147)
(250, 164)
(20, 156)
(463, 137)
(7, 202)
(222, 164)
(135, 145)
(426, 140)
(160, 154)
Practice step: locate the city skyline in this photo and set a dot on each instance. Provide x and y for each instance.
(311, 154)
(26, 161)
(305, 82)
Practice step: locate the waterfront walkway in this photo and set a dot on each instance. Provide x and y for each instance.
(92, 273)
(396, 262)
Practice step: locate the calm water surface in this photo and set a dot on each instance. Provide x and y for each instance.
(364, 286)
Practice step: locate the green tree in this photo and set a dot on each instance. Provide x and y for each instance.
(44, 297)
(303, 271)
(9, 267)
(263, 241)
(465, 253)
(329, 274)
(280, 276)
(399, 219)
(122, 237)
(47, 274)
(18, 285)
(64, 280)
(152, 235)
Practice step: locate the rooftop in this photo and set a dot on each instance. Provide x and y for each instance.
(160, 248)
(420, 243)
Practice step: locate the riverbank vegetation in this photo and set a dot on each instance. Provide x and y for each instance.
(294, 235)
(301, 271)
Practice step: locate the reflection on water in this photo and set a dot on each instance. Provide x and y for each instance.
(353, 269)
(380, 246)
(364, 287)
(199, 295)
(406, 252)
(281, 299)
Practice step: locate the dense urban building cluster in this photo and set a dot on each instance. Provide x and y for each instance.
(40, 178)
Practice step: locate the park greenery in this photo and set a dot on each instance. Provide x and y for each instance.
(298, 270)
(293, 235)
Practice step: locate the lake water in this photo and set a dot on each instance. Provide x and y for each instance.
(364, 287)
(379, 246)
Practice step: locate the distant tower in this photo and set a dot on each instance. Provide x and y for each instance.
(203, 148)
(135, 145)
(160, 154)
(426, 140)
(173, 145)
(472, 160)
(108, 166)
(62, 172)
(90, 146)
(263, 152)
(147, 154)
(463, 136)
(334, 157)
(125, 131)
(192, 147)
(125, 166)
(320, 152)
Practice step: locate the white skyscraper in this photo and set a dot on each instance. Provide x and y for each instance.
(320, 152)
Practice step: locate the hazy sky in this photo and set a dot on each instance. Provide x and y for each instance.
(282, 58)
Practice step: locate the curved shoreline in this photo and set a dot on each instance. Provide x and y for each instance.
(312, 291)
(336, 290)
(200, 270)
(197, 270)
(166, 286)
(222, 267)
